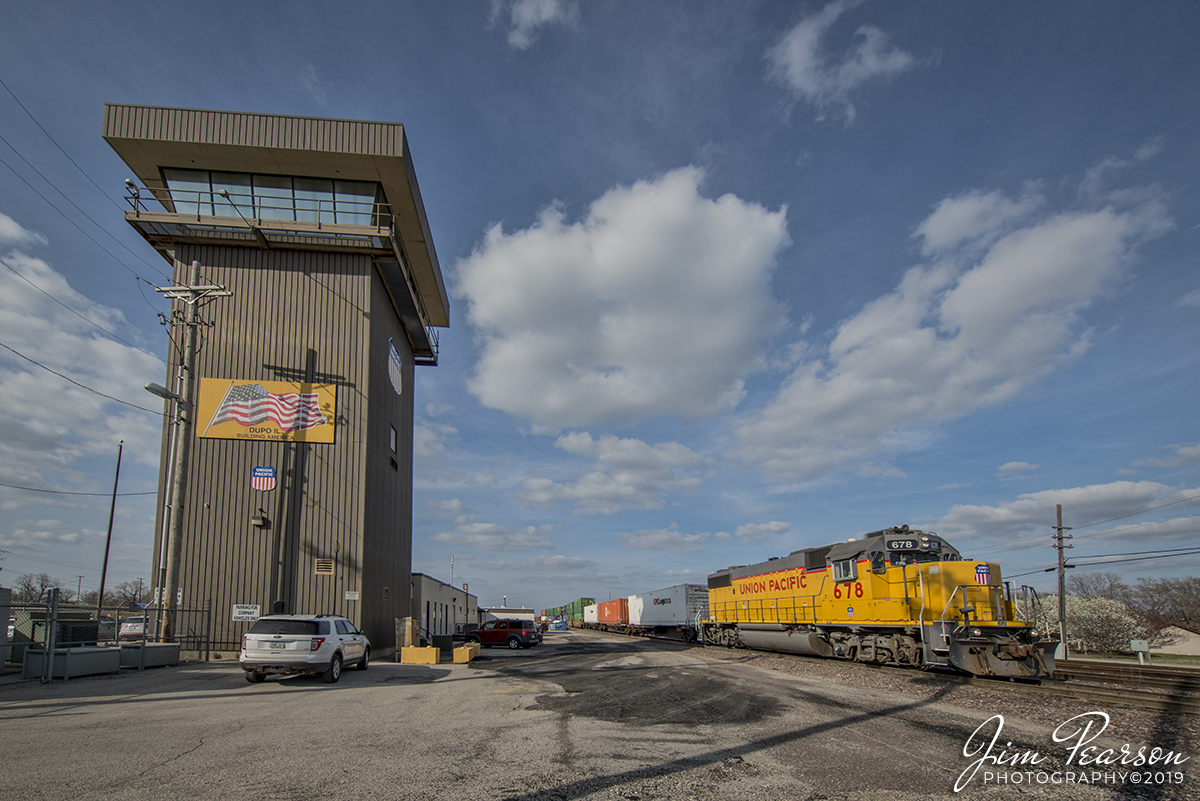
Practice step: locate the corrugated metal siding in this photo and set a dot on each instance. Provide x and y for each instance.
(284, 305)
(254, 130)
(388, 516)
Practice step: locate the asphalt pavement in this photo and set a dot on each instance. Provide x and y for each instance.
(583, 716)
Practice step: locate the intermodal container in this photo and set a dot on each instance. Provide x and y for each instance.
(614, 613)
(680, 605)
(591, 614)
(574, 610)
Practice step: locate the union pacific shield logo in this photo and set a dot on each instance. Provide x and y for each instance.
(983, 574)
(263, 479)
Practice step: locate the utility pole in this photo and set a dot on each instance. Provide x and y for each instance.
(108, 542)
(1061, 546)
(191, 294)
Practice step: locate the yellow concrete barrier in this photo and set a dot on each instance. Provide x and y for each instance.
(465, 653)
(416, 655)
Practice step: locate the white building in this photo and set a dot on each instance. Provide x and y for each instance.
(505, 613)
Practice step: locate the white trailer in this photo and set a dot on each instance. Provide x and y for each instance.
(591, 614)
(674, 607)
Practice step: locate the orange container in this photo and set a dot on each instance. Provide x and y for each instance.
(615, 613)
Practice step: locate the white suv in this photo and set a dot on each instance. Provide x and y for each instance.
(289, 644)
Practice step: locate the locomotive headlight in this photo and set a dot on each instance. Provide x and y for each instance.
(976, 632)
(1033, 633)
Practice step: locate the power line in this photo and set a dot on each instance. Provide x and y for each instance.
(1142, 558)
(77, 314)
(76, 225)
(76, 383)
(1138, 553)
(65, 197)
(1041, 537)
(1137, 556)
(1132, 514)
(56, 144)
(68, 492)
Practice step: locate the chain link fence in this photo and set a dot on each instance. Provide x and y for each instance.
(50, 640)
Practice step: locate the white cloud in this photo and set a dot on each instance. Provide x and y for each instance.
(801, 63)
(628, 473)
(972, 329)
(1033, 514)
(528, 16)
(1191, 299)
(312, 84)
(557, 563)
(11, 232)
(881, 470)
(974, 217)
(429, 439)
(657, 303)
(50, 424)
(668, 539)
(40, 533)
(493, 537)
(1014, 468)
(454, 509)
(1184, 454)
(758, 532)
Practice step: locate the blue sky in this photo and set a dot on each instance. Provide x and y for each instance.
(728, 279)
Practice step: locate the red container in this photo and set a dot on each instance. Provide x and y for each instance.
(615, 613)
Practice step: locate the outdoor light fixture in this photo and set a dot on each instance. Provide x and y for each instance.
(164, 393)
(260, 520)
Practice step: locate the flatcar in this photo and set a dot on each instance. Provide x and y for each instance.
(898, 596)
(671, 613)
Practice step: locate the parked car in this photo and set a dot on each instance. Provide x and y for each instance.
(464, 630)
(12, 627)
(513, 633)
(132, 628)
(297, 644)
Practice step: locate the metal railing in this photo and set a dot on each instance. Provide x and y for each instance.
(50, 640)
(262, 211)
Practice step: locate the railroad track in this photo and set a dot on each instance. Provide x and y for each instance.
(1171, 679)
(1172, 685)
(1170, 694)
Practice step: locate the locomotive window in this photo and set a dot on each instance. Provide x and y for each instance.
(902, 559)
(845, 570)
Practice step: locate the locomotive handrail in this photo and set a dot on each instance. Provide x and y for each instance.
(964, 588)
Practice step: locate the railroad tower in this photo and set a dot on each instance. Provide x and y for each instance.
(298, 463)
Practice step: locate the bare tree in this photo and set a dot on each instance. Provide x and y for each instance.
(1166, 601)
(89, 599)
(35, 587)
(133, 592)
(1098, 585)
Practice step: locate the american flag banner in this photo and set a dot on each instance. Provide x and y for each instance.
(395, 365)
(251, 404)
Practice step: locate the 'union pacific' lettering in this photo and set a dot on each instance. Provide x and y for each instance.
(781, 584)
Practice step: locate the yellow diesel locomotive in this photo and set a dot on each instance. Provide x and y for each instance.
(899, 596)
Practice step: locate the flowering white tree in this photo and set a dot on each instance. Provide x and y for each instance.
(1096, 624)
